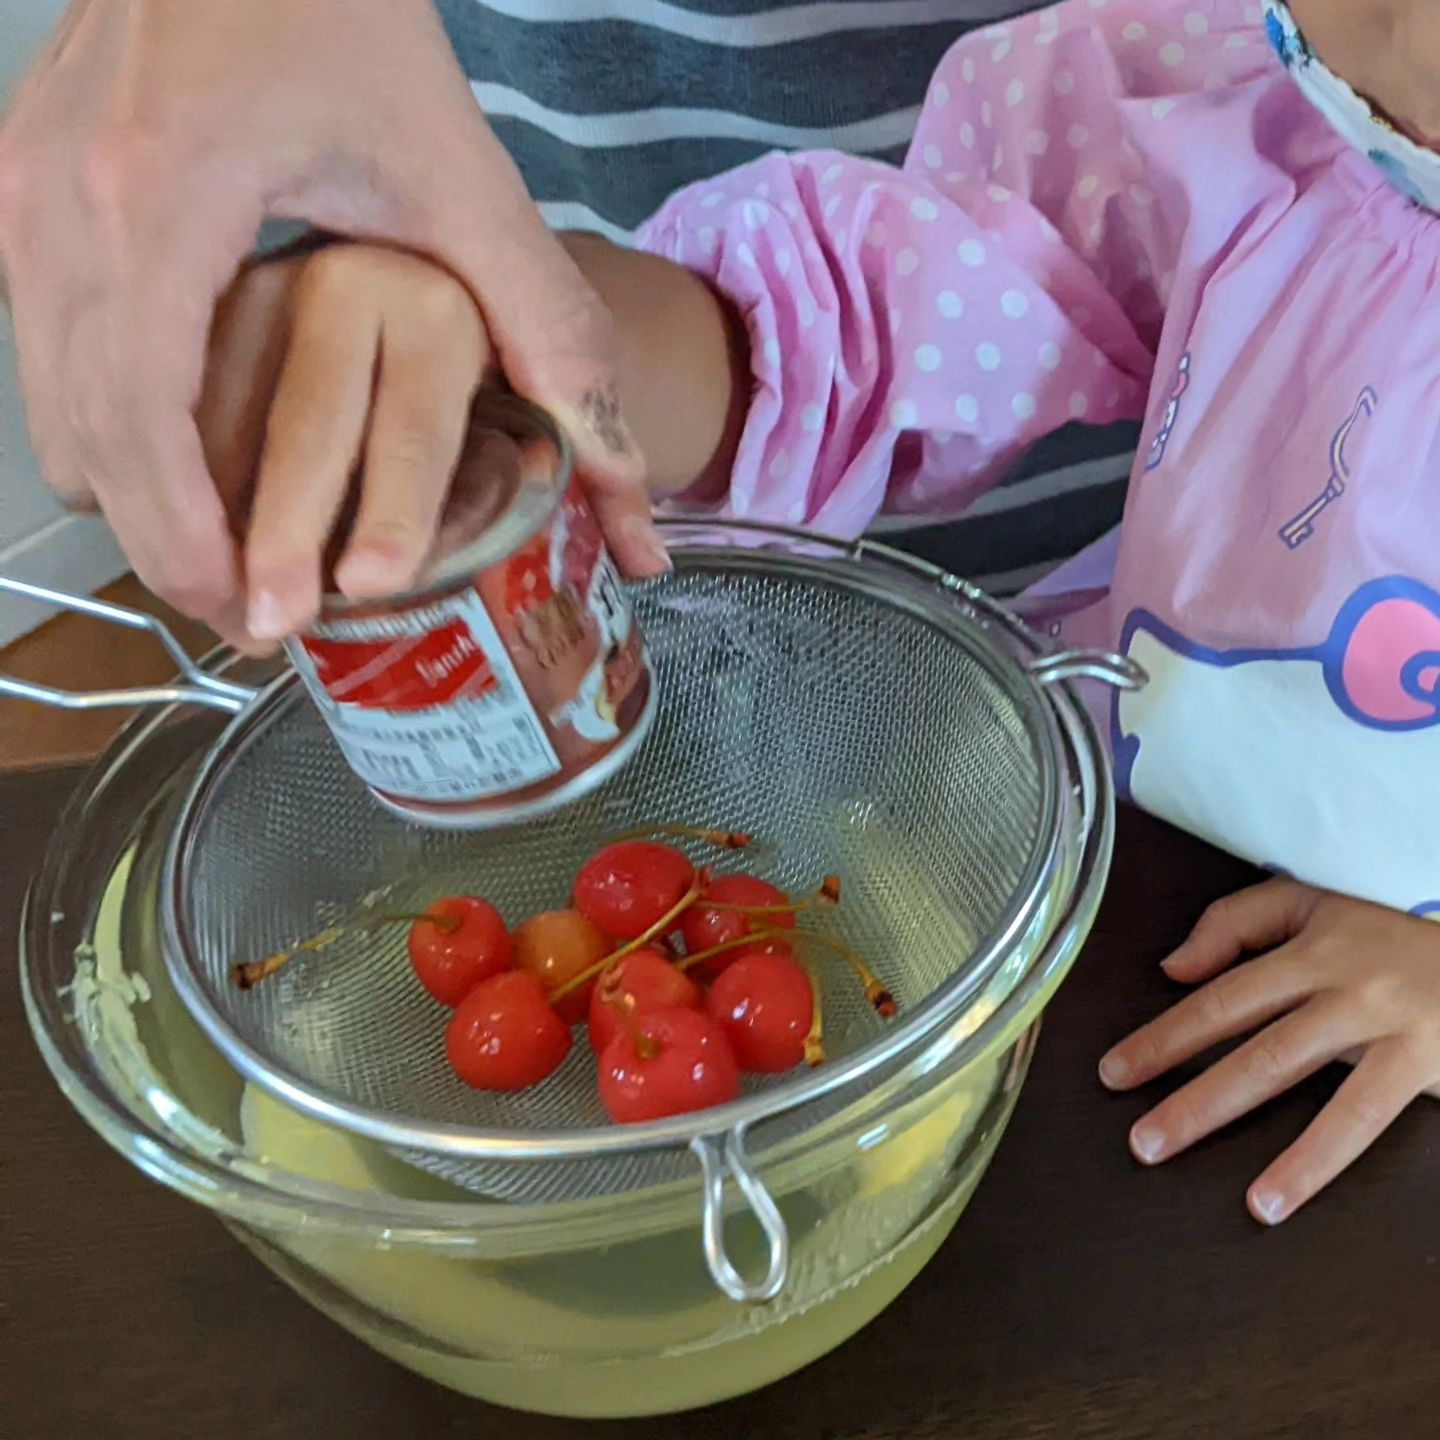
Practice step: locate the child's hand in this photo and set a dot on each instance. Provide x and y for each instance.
(1341, 980)
(362, 359)
(355, 360)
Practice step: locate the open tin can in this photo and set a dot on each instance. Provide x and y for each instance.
(513, 678)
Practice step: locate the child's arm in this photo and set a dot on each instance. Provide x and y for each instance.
(683, 364)
(911, 331)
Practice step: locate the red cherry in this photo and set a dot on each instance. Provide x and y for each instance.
(765, 1003)
(505, 1035)
(642, 983)
(555, 947)
(704, 927)
(470, 944)
(629, 887)
(670, 1062)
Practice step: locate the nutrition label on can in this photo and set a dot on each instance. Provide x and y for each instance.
(426, 703)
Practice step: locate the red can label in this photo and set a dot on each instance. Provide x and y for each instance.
(523, 676)
(412, 672)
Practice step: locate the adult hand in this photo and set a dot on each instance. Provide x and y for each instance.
(142, 153)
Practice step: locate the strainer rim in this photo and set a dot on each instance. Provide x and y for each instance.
(934, 599)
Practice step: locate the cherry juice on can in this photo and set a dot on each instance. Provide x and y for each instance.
(513, 678)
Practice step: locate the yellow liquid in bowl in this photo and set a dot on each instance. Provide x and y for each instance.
(637, 1328)
(628, 1328)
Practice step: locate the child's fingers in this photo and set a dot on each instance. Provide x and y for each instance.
(247, 351)
(1244, 923)
(1235, 1003)
(427, 381)
(1372, 1097)
(312, 442)
(1286, 1052)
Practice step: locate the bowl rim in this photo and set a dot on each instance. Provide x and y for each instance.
(283, 1199)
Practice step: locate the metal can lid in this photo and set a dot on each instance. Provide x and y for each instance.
(514, 469)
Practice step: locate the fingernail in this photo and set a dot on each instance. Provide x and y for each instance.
(1114, 1070)
(266, 619)
(1174, 958)
(1147, 1144)
(369, 574)
(1269, 1206)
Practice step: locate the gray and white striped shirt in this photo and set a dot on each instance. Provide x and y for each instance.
(610, 106)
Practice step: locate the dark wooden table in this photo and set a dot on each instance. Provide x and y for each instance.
(1078, 1298)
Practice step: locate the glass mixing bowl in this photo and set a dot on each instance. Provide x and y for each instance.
(601, 1307)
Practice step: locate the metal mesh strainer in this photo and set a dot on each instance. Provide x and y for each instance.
(857, 715)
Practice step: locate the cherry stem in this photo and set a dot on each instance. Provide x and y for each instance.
(720, 839)
(815, 1041)
(877, 995)
(660, 927)
(827, 894)
(754, 940)
(250, 973)
(646, 1046)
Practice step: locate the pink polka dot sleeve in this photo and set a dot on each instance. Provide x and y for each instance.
(913, 330)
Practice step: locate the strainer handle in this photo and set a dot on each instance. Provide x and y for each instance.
(198, 687)
(1117, 671)
(719, 1157)
(1120, 672)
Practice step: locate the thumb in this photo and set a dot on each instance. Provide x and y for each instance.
(623, 512)
(553, 335)
(557, 346)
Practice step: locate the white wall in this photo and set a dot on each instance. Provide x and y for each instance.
(38, 541)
